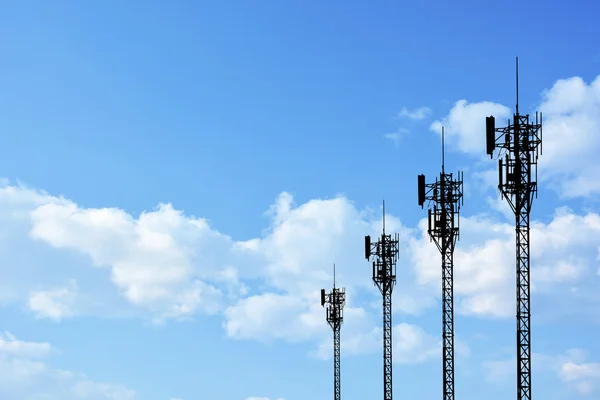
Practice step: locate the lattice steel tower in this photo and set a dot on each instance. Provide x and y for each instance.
(385, 252)
(445, 196)
(335, 300)
(520, 144)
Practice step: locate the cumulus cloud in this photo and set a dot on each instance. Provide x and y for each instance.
(293, 250)
(412, 345)
(563, 252)
(163, 264)
(571, 111)
(283, 316)
(570, 367)
(9, 345)
(55, 303)
(464, 126)
(27, 374)
(149, 258)
(584, 377)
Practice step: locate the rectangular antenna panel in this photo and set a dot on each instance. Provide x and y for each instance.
(322, 297)
(421, 188)
(374, 276)
(367, 247)
(490, 135)
(429, 220)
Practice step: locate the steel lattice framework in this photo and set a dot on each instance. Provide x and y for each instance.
(520, 144)
(445, 196)
(335, 301)
(385, 252)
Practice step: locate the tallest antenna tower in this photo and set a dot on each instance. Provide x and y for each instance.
(519, 145)
(385, 252)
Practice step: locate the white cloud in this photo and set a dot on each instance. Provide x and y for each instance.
(294, 247)
(571, 111)
(570, 367)
(416, 114)
(26, 375)
(172, 266)
(159, 262)
(164, 264)
(412, 345)
(9, 345)
(485, 179)
(54, 304)
(563, 252)
(464, 126)
(272, 315)
(149, 258)
(584, 377)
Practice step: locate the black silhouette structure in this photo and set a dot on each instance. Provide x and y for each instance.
(445, 197)
(385, 253)
(519, 144)
(335, 301)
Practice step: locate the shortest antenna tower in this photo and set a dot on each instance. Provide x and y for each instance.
(335, 301)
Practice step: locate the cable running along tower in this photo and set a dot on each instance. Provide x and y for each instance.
(446, 194)
(335, 301)
(519, 143)
(385, 253)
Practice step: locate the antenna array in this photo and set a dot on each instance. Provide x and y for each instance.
(385, 253)
(520, 143)
(445, 196)
(335, 301)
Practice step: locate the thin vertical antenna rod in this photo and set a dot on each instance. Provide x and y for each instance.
(517, 71)
(334, 275)
(384, 217)
(442, 149)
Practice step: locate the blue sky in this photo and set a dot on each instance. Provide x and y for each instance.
(179, 180)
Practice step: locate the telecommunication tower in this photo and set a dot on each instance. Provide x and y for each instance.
(335, 300)
(385, 253)
(445, 196)
(520, 143)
